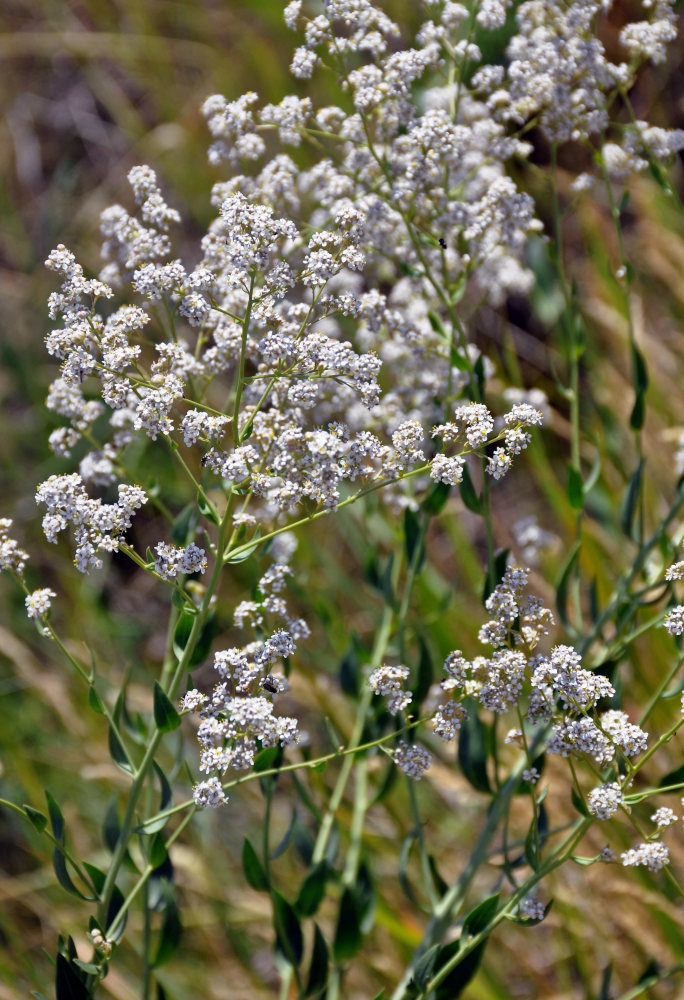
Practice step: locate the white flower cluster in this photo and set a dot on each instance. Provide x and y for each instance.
(38, 603)
(96, 526)
(237, 718)
(552, 688)
(654, 856)
(389, 681)
(605, 800)
(414, 760)
(12, 557)
(171, 561)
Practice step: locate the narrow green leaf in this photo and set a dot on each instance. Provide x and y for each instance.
(286, 838)
(288, 929)
(110, 825)
(184, 523)
(207, 510)
(425, 673)
(68, 982)
(479, 917)
(425, 966)
(675, 777)
(639, 370)
(437, 326)
(88, 967)
(458, 978)
(564, 582)
(118, 753)
(436, 499)
(60, 866)
(246, 553)
(469, 495)
(637, 417)
(349, 670)
(412, 532)
(605, 991)
(253, 869)
(97, 877)
(472, 751)
(387, 782)
(500, 564)
(56, 818)
(182, 632)
(348, 936)
(312, 890)
(171, 930)
(157, 851)
(267, 758)
(318, 970)
(95, 701)
(630, 500)
(115, 905)
(165, 715)
(579, 803)
(575, 488)
(404, 855)
(37, 819)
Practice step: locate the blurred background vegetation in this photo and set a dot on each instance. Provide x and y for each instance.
(89, 89)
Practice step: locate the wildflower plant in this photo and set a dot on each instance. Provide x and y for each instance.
(316, 356)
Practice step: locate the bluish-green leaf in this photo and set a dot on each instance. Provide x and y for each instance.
(425, 673)
(69, 984)
(117, 752)
(115, 905)
(348, 936)
(97, 877)
(318, 969)
(165, 715)
(286, 838)
(469, 495)
(312, 890)
(436, 499)
(425, 966)
(472, 751)
(157, 854)
(288, 929)
(630, 500)
(479, 917)
(675, 777)
(564, 582)
(37, 819)
(95, 701)
(412, 532)
(171, 930)
(60, 866)
(457, 978)
(253, 869)
(579, 803)
(575, 488)
(110, 825)
(56, 818)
